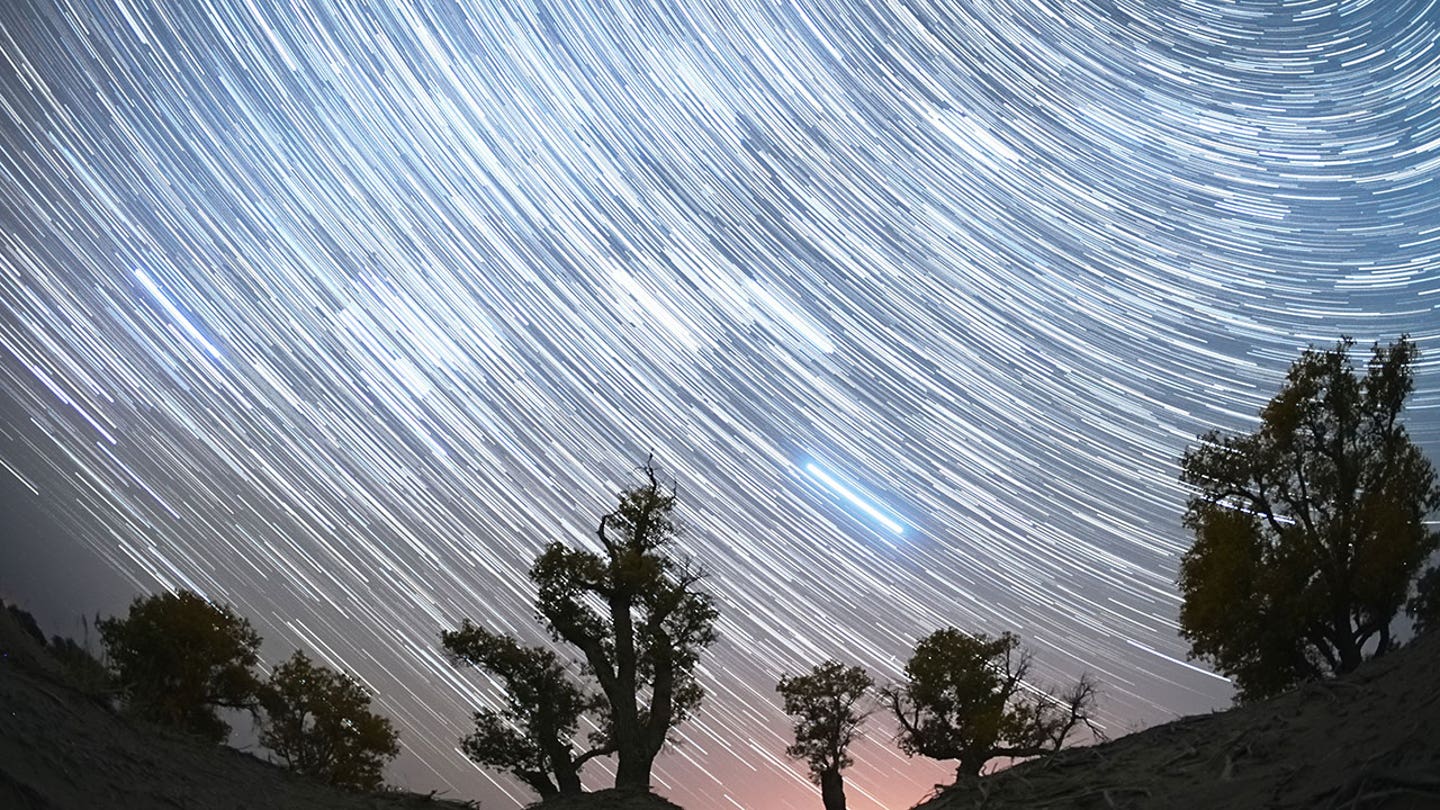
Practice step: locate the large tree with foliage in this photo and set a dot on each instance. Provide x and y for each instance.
(319, 722)
(533, 736)
(1309, 531)
(177, 659)
(633, 610)
(824, 705)
(965, 698)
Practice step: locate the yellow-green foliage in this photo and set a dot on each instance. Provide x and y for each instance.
(319, 722)
(1309, 531)
(966, 698)
(177, 658)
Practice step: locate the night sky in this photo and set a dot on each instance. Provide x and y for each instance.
(340, 313)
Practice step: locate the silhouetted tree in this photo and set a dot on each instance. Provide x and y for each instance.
(1424, 607)
(823, 705)
(532, 737)
(177, 658)
(633, 610)
(319, 722)
(965, 698)
(1309, 531)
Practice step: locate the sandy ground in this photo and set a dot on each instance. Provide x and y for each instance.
(60, 749)
(609, 800)
(1368, 741)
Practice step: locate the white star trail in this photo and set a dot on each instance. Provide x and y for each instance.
(341, 312)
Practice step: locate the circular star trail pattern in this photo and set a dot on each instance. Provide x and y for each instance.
(341, 312)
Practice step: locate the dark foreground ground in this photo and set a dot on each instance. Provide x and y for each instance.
(63, 750)
(60, 749)
(1365, 742)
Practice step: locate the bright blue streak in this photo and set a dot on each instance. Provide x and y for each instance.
(850, 495)
(175, 313)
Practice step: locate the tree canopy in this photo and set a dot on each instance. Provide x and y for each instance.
(1310, 530)
(532, 737)
(319, 722)
(177, 658)
(823, 704)
(965, 698)
(633, 610)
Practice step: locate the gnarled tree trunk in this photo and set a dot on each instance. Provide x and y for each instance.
(832, 790)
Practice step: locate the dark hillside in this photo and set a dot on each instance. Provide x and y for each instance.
(1367, 741)
(63, 750)
(60, 749)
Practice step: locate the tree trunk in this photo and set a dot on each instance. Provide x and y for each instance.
(538, 782)
(632, 768)
(969, 767)
(1348, 652)
(967, 772)
(569, 780)
(1384, 644)
(832, 790)
(632, 772)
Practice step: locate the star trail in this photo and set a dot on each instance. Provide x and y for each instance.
(341, 312)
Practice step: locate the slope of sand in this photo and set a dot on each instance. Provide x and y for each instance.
(1369, 740)
(60, 749)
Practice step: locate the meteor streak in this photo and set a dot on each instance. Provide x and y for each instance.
(175, 313)
(855, 498)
